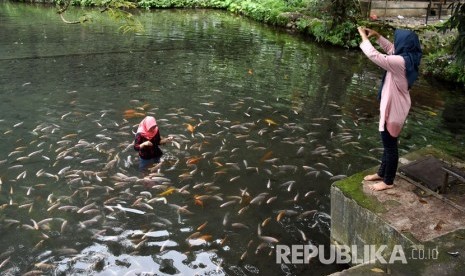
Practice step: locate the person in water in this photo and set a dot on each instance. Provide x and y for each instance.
(147, 141)
(401, 63)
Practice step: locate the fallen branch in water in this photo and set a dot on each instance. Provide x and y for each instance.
(116, 9)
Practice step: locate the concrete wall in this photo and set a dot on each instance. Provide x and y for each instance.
(352, 224)
(383, 8)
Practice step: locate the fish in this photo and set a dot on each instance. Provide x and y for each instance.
(62, 171)
(271, 199)
(338, 177)
(280, 216)
(234, 178)
(307, 194)
(302, 234)
(190, 127)
(21, 175)
(270, 122)
(130, 210)
(239, 225)
(268, 239)
(35, 152)
(261, 246)
(266, 221)
(242, 210)
(228, 203)
(307, 213)
(202, 226)
(243, 256)
(226, 219)
(87, 207)
(259, 199)
(205, 237)
(44, 266)
(167, 192)
(89, 161)
(194, 160)
(4, 262)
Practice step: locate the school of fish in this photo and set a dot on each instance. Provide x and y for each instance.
(235, 185)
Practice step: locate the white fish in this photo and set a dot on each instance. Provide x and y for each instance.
(228, 203)
(21, 175)
(269, 239)
(91, 160)
(271, 199)
(131, 210)
(226, 219)
(35, 152)
(4, 262)
(63, 117)
(62, 171)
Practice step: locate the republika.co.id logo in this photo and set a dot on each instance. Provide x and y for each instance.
(344, 254)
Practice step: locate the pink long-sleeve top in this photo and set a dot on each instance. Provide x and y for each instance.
(395, 97)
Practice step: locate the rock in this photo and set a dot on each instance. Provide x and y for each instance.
(166, 266)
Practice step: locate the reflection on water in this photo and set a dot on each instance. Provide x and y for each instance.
(263, 124)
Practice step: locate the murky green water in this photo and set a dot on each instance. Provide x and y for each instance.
(277, 119)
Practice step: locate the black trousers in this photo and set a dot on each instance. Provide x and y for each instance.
(389, 161)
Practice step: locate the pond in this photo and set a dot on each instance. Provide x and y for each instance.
(263, 123)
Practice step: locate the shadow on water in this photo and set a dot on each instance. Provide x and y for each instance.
(263, 123)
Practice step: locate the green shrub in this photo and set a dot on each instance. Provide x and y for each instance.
(442, 65)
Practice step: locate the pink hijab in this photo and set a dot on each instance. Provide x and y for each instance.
(145, 125)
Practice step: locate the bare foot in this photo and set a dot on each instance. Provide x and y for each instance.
(380, 186)
(372, 177)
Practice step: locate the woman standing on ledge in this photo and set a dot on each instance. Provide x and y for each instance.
(147, 141)
(401, 63)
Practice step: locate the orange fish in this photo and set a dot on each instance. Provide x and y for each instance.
(223, 241)
(202, 226)
(194, 160)
(190, 127)
(131, 113)
(280, 215)
(266, 156)
(205, 237)
(198, 202)
(138, 114)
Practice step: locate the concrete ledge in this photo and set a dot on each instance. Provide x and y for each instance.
(353, 224)
(402, 217)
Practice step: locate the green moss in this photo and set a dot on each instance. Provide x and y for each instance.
(352, 188)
